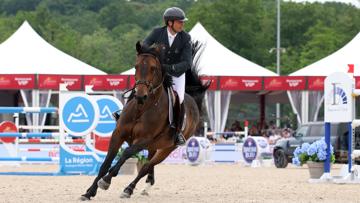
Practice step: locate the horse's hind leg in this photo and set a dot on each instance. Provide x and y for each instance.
(158, 158)
(114, 146)
(150, 180)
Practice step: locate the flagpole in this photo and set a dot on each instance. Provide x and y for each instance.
(278, 58)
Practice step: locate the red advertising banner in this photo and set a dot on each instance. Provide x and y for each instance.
(52, 81)
(240, 83)
(357, 82)
(274, 83)
(294, 82)
(106, 82)
(17, 81)
(285, 83)
(316, 83)
(212, 79)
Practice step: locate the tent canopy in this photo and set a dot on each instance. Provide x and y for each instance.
(25, 52)
(336, 62)
(217, 60)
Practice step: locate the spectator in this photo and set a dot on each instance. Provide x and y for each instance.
(253, 131)
(236, 126)
(286, 133)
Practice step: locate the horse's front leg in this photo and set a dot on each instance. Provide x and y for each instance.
(114, 145)
(104, 182)
(159, 156)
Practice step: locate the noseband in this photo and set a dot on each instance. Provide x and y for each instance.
(149, 84)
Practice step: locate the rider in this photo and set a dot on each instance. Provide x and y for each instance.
(178, 59)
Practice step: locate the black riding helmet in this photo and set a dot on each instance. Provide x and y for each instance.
(174, 13)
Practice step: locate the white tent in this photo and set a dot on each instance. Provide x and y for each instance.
(217, 60)
(335, 62)
(25, 52)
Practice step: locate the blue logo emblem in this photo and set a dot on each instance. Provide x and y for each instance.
(337, 96)
(193, 150)
(106, 123)
(249, 150)
(341, 96)
(79, 116)
(262, 143)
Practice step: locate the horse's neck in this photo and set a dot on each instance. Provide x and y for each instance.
(157, 101)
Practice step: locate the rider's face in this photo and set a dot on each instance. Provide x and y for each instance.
(178, 25)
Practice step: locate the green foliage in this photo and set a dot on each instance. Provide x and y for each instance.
(103, 33)
(141, 157)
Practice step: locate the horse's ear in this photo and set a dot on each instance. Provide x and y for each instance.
(138, 47)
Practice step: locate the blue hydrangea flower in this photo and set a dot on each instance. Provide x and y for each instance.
(321, 144)
(304, 147)
(296, 161)
(312, 149)
(321, 155)
(298, 151)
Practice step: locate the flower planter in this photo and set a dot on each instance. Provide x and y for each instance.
(316, 169)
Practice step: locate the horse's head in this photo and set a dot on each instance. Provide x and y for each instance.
(148, 71)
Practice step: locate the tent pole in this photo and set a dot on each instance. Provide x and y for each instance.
(262, 112)
(278, 58)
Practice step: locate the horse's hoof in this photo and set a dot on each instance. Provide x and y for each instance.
(125, 195)
(84, 198)
(145, 193)
(103, 185)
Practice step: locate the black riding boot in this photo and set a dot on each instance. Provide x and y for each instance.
(179, 137)
(116, 114)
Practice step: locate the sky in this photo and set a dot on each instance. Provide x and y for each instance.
(354, 2)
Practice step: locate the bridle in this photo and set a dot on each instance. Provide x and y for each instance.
(149, 84)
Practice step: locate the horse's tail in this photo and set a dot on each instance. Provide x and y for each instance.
(194, 86)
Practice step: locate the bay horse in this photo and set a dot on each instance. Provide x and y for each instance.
(144, 121)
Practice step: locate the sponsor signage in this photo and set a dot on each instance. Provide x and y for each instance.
(17, 81)
(79, 114)
(284, 83)
(274, 83)
(249, 150)
(107, 105)
(294, 83)
(357, 82)
(240, 83)
(106, 82)
(52, 82)
(338, 105)
(316, 83)
(193, 150)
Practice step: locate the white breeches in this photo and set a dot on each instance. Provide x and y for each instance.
(179, 86)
